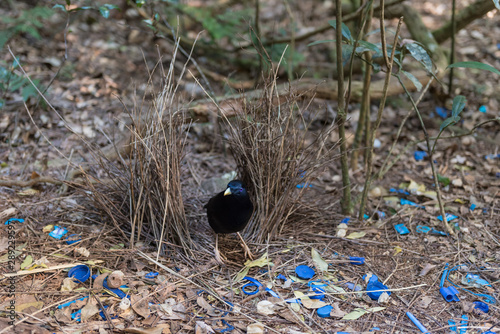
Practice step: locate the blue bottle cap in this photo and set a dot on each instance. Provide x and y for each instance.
(80, 273)
(324, 312)
(304, 272)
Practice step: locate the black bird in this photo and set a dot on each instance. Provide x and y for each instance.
(229, 212)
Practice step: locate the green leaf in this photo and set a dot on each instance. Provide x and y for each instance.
(369, 46)
(420, 54)
(140, 3)
(413, 79)
(449, 121)
(444, 180)
(458, 105)
(28, 91)
(345, 30)
(476, 65)
(319, 263)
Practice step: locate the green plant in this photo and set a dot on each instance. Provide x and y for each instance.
(29, 21)
(11, 82)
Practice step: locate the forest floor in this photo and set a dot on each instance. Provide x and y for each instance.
(106, 71)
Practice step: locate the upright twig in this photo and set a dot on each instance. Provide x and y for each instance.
(342, 116)
(389, 62)
(452, 52)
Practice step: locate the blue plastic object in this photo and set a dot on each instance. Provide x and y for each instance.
(449, 294)
(445, 274)
(58, 232)
(356, 260)
(481, 306)
(403, 201)
(399, 191)
(419, 155)
(463, 324)
(472, 207)
(281, 276)
(427, 229)
(474, 279)
(73, 239)
(304, 185)
(492, 156)
(79, 273)
(416, 322)
(353, 287)
(117, 292)
(77, 316)
(324, 312)
(253, 287)
(345, 220)
(151, 275)
(401, 229)
(71, 302)
(453, 325)
(483, 108)
(12, 220)
(320, 293)
(374, 287)
(449, 217)
(304, 272)
(442, 112)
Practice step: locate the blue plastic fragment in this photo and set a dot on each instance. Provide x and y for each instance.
(103, 316)
(427, 229)
(419, 155)
(463, 324)
(442, 112)
(255, 285)
(403, 201)
(474, 279)
(304, 185)
(228, 328)
(302, 173)
(117, 292)
(77, 316)
(497, 175)
(453, 325)
(374, 287)
(281, 276)
(12, 220)
(449, 217)
(356, 260)
(353, 287)
(58, 232)
(399, 191)
(324, 312)
(445, 274)
(483, 108)
(345, 220)
(365, 216)
(416, 322)
(472, 207)
(401, 229)
(151, 275)
(481, 306)
(71, 302)
(374, 329)
(492, 156)
(304, 272)
(380, 214)
(73, 239)
(449, 294)
(79, 273)
(320, 293)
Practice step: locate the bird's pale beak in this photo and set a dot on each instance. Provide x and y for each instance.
(227, 192)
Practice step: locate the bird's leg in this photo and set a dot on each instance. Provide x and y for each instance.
(218, 257)
(245, 247)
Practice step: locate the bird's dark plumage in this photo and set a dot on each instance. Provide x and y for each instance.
(230, 210)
